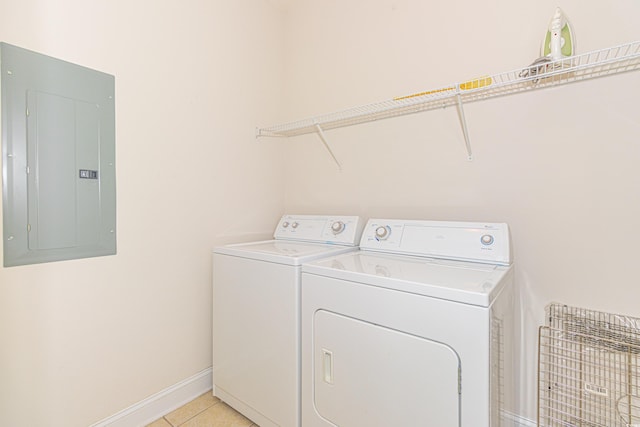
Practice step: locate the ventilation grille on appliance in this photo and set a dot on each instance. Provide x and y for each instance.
(588, 369)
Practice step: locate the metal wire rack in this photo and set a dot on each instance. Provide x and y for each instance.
(588, 369)
(538, 75)
(580, 67)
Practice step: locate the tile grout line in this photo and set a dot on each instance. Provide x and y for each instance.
(195, 415)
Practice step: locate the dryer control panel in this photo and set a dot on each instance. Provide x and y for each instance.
(341, 230)
(465, 241)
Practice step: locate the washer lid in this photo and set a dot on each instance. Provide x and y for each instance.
(282, 251)
(459, 281)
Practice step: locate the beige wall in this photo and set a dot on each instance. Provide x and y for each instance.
(81, 340)
(560, 165)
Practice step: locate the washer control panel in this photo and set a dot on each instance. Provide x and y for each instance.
(341, 230)
(466, 241)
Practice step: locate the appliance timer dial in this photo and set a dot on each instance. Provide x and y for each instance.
(486, 239)
(383, 232)
(337, 227)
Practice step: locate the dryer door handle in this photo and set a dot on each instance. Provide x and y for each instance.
(327, 366)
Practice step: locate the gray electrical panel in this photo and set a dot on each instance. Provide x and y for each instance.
(58, 159)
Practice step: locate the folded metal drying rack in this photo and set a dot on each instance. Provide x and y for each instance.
(588, 369)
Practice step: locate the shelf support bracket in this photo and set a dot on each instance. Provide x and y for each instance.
(463, 123)
(326, 145)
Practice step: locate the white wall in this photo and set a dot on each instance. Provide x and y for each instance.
(559, 165)
(81, 340)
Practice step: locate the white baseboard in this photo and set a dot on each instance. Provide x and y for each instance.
(161, 403)
(156, 406)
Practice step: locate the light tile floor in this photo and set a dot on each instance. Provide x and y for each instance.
(204, 411)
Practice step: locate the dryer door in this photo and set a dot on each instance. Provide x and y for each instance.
(369, 375)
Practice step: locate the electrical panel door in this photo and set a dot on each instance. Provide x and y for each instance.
(58, 143)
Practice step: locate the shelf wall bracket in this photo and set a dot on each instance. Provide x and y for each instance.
(463, 123)
(326, 145)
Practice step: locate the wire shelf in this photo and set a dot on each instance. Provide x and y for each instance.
(545, 74)
(588, 369)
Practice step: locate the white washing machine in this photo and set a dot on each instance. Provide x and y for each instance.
(256, 314)
(415, 329)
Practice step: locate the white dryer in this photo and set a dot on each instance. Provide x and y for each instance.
(415, 329)
(256, 314)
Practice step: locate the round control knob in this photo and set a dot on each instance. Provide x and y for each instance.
(285, 224)
(295, 225)
(486, 239)
(382, 232)
(337, 227)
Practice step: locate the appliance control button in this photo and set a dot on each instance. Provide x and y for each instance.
(295, 225)
(486, 239)
(285, 224)
(382, 232)
(337, 227)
